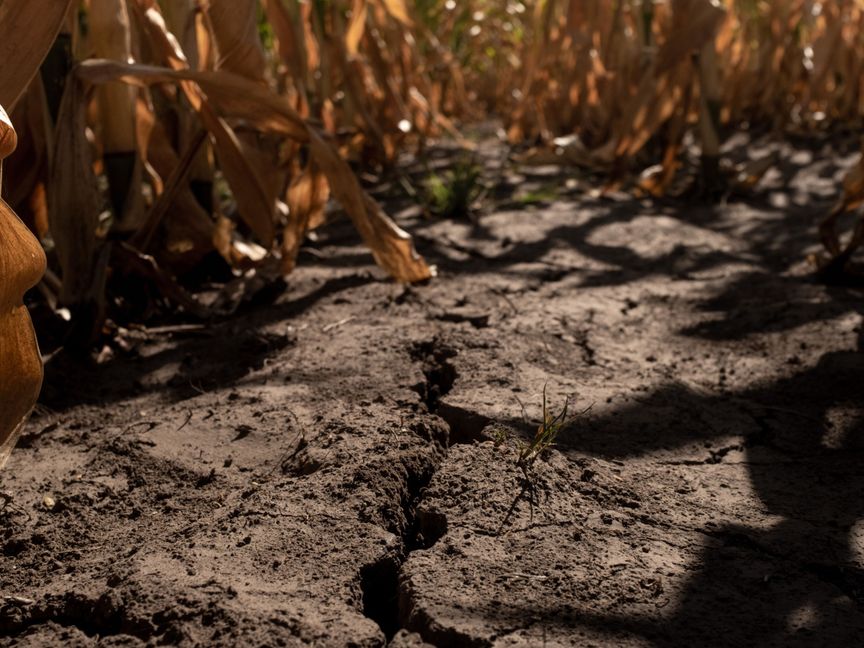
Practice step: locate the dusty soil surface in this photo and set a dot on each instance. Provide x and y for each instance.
(338, 467)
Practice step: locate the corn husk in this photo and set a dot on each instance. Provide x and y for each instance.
(22, 264)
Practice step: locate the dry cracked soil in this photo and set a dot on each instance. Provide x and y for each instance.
(337, 467)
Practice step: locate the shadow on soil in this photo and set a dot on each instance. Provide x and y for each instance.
(187, 363)
(796, 583)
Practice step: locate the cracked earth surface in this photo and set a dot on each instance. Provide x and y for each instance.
(337, 468)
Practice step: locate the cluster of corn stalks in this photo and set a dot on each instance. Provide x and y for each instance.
(143, 111)
(625, 76)
(156, 138)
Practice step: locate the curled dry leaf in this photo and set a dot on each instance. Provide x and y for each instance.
(22, 263)
(240, 253)
(391, 245)
(399, 10)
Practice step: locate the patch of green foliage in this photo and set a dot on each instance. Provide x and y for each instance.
(453, 193)
(545, 436)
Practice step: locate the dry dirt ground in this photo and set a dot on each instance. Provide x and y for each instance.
(338, 467)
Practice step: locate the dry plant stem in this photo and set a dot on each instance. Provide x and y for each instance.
(181, 19)
(74, 218)
(111, 37)
(144, 236)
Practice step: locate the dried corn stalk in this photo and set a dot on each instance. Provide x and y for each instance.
(74, 218)
(111, 38)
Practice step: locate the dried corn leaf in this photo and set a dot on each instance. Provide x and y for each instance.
(399, 10)
(22, 263)
(390, 245)
(26, 170)
(27, 30)
(234, 24)
(180, 19)
(235, 33)
(307, 197)
(76, 204)
(356, 28)
(694, 22)
(236, 250)
(310, 40)
(287, 38)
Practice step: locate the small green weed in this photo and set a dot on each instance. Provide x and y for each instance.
(453, 193)
(544, 438)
